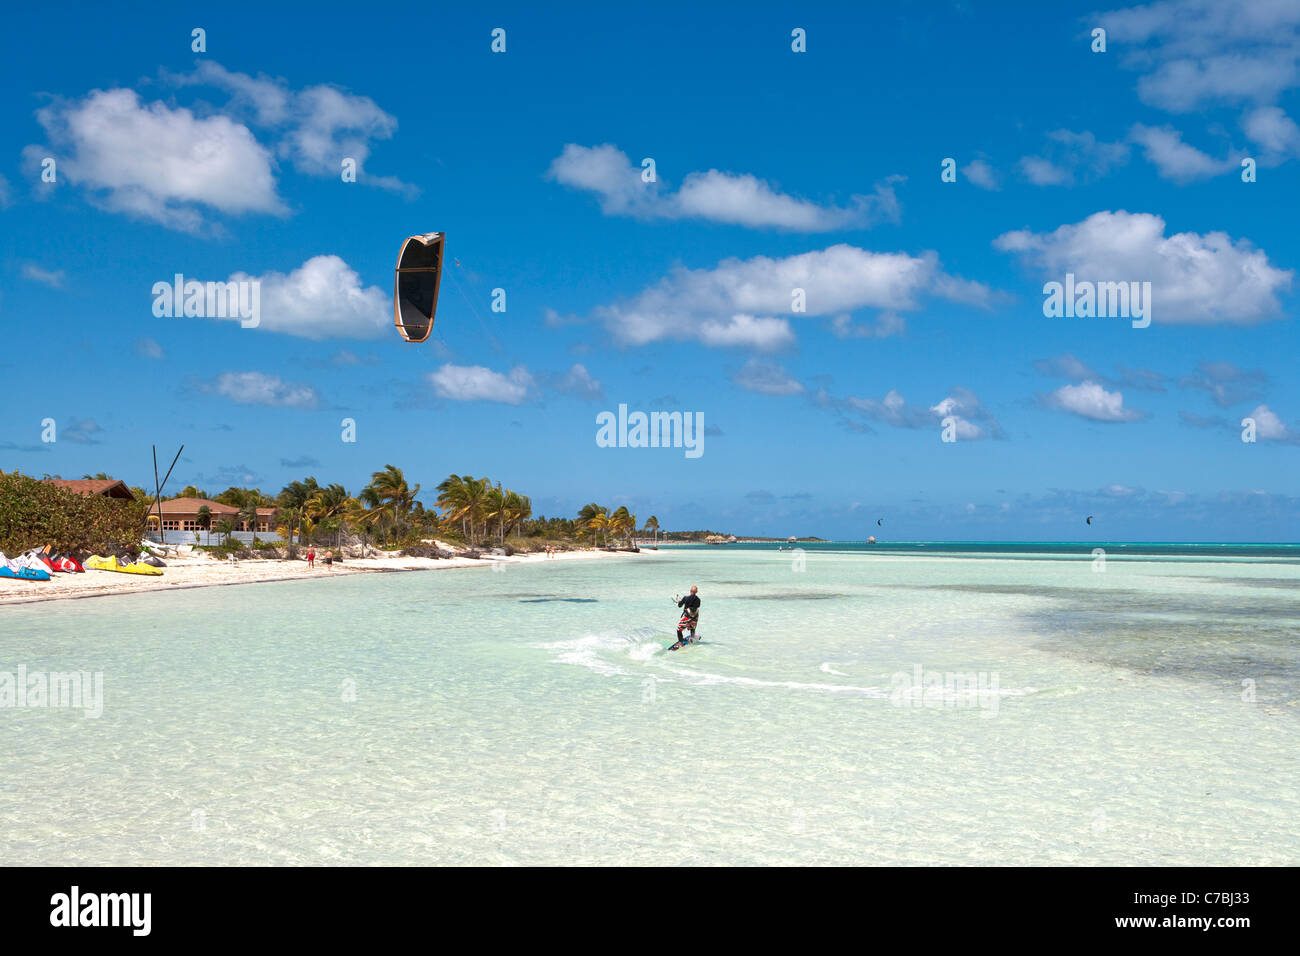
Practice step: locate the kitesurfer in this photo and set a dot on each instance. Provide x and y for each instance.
(690, 615)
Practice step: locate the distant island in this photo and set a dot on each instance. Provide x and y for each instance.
(719, 537)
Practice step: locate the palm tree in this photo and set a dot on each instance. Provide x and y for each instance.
(306, 528)
(592, 518)
(327, 502)
(390, 489)
(494, 506)
(248, 515)
(425, 520)
(366, 512)
(652, 524)
(224, 528)
(204, 517)
(327, 506)
(463, 498)
(621, 522)
(453, 499)
(476, 490)
(518, 508)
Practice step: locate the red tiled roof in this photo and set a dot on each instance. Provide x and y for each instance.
(111, 487)
(176, 506)
(189, 506)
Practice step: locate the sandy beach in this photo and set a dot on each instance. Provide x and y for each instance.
(198, 570)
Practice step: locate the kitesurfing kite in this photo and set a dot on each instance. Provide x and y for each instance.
(415, 286)
(1089, 519)
(880, 522)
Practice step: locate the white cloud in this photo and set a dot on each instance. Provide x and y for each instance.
(82, 431)
(1176, 160)
(747, 302)
(1226, 383)
(577, 381)
(322, 299)
(1196, 52)
(746, 331)
(156, 162)
(1074, 157)
(961, 405)
(1196, 278)
(332, 125)
(981, 174)
(258, 388)
(1116, 490)
(1043, 172)
(606, 171)
(1090, 400)
(474, 383)
(1269, 426)
(886, 324)
(52, 278)
(317, 126)
(766, 379)
(148, 348)
(1275, 132)
(735, 198)
(1066, 366)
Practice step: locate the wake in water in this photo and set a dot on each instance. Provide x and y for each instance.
(642, 652)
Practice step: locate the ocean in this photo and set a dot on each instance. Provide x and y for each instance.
(931, 703)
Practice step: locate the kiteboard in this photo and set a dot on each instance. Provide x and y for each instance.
(686, 642)
(415, 286)
(24, 574)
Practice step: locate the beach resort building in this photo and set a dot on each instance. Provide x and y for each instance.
(182, 514)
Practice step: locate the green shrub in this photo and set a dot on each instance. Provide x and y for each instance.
(33, 514)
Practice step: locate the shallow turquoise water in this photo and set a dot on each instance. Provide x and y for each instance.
(532, 716)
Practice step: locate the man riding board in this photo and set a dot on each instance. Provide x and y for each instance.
(690, 617)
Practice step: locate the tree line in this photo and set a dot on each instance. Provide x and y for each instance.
(476, 511)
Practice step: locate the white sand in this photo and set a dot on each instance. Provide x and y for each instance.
(200, 570)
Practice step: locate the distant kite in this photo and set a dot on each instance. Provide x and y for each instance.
(415, 286)
(879, 521)
(1089, 519)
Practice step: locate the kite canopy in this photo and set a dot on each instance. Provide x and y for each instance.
(415, 286)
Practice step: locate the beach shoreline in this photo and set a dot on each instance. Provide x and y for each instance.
(201, 572)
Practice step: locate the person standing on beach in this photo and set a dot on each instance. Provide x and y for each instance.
(690, 615)
(311, 557)
(329, 560)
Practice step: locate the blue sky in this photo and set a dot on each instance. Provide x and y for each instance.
(775, 170)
